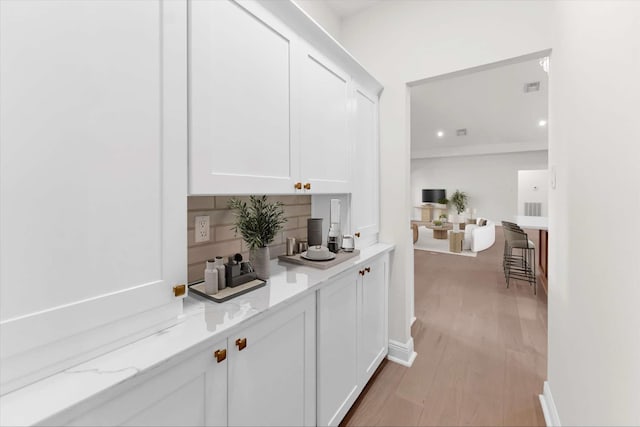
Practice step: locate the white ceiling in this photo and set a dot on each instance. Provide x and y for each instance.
(347, 8)
(491, 104)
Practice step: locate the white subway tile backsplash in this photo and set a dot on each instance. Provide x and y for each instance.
(224, 242)
(203, 253)
(200, 203)
(225, 232)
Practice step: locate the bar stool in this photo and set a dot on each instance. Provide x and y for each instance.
(519, 260)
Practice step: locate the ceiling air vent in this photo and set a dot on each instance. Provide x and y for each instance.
(461, 132)
(531, 87)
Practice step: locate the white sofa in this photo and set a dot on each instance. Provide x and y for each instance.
(477, 238)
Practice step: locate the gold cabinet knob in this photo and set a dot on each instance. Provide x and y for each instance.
(179, 290)
(297, 186)
(357, 234)
(307, 186)
(220, 354)
(241, 343)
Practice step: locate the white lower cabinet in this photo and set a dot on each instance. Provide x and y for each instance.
(302, 365)
(373, 337)
(272, 369)
(338, 377)
(188, 392)
(264, 374)
(352, 337)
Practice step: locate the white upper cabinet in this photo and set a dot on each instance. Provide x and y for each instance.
(240, 100)
(93, 169)
(269, 110)
(365, 196)
(325, 144)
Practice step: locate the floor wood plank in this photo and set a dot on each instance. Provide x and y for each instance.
(482, 349)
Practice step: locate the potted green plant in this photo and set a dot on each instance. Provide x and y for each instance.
(459, 200)
(258, 223)
(437, 223)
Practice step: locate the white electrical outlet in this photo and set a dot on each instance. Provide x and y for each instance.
(202, 229)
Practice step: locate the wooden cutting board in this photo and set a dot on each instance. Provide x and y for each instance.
(340, 257)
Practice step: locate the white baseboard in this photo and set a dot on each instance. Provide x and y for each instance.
(402, 354)
(549, 409)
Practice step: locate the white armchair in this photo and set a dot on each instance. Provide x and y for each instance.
(478, 238)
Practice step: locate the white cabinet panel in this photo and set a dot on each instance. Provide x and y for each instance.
(338, 377)
(352, 337)
(272, 379)
(373, 336)
(240, 137)
(365, 196)
(191, 392)
(325, 145)
(92, 177)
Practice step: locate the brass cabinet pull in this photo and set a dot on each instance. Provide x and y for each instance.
(220, 354)
(357, 234)
(368, 269)
(241, 343)
(298, 186)
(307, 186)
(179, 290)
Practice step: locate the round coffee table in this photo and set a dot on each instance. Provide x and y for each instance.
(440, 231)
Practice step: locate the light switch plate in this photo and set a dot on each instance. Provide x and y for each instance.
(202, 229)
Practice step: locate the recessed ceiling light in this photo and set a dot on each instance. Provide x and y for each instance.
(440, 134)
(542, 123)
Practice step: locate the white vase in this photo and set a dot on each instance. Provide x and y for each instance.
(260, 260)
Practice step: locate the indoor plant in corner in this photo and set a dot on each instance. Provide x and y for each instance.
(258, 223)
(459, 200)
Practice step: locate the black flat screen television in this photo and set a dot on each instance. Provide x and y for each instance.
(433, 196)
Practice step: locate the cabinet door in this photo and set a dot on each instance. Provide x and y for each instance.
(272, 369)
(240, 110)
(325, 145)
(191, 392)
(373, 336)
(92, 178)
(338, 377)
(365, 196)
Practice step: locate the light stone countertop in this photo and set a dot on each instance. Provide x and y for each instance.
(532, 222)
(202, 322)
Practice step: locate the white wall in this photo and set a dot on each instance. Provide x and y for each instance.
(323, 15)
(533, 186)
(490, 181)
(594, 269)
(403, 41)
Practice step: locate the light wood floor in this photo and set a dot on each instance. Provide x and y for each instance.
(482, 349)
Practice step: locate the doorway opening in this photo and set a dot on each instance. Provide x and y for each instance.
(478, 134)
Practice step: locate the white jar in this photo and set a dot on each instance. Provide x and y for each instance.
(222, 278)
(211, 278)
